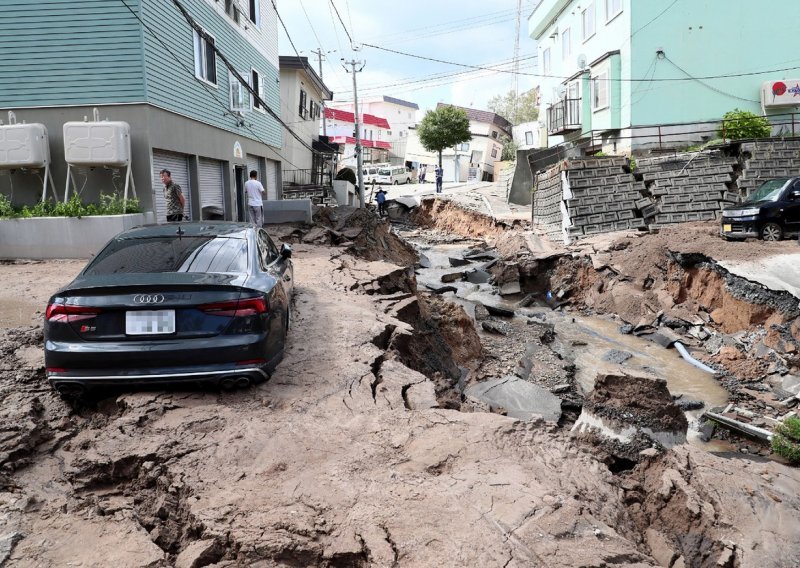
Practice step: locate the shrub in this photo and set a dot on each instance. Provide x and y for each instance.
(109, 205)
(347, 174)
(738, 124)
(786, 440)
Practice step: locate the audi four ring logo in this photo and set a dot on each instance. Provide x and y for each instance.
(148, 299)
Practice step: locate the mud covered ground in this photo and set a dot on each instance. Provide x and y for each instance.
(350, 456)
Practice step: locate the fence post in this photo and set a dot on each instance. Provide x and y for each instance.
(659, 138)
(792, 124)
(724, 133)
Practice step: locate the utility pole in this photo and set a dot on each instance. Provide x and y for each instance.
(359, 157)
(320, 55)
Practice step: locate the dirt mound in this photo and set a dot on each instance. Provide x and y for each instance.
(444, 215)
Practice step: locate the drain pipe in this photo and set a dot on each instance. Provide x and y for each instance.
(688, 358)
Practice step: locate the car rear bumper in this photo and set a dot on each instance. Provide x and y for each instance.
(211, 374)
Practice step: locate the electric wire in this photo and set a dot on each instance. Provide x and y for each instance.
(346, 31)
(211, 93)
(711, 87)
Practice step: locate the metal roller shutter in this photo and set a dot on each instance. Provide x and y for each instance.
(271, 184)
(255, 163)
(210, 182)
(178, 165)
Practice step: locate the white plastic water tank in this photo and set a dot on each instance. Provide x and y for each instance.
(24, 146)
(97, 143)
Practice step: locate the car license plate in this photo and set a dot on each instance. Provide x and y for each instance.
(727, 228)
(150, 322)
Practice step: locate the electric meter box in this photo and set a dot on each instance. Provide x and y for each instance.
(97, 143)
(24, 146)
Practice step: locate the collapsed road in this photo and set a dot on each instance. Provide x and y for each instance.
(364, 450)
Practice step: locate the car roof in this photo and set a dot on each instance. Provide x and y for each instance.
(189, 229)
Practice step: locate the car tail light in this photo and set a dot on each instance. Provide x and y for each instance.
(237, 308)
(69, 313)
(252, 362)
(56, 370)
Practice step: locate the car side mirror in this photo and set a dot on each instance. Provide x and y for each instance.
(286, 251)
(795, 194)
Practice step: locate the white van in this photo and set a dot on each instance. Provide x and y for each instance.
(370, 173)
(393, 175)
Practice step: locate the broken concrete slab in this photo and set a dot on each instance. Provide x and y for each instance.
(499, 311)
(483, 255)
(478, 276)
(421, 396)
(7, 542)
(509, 289)
(441, 289)
(498, 327)
(424, 261)
(452, 277)
(456, 262)
(199, 553)
(665, 337)
(520, 399)
(617, 357)
(527, 301)
(408, 201)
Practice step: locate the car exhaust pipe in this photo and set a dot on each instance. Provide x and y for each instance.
(228, 383)
(70, 390)
(243, 382)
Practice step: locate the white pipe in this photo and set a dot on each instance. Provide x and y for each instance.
(685, 354)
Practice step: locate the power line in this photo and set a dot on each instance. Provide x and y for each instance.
(619, 80)
(338, 15)
(211, 93)
(706, 85)
(667, 9)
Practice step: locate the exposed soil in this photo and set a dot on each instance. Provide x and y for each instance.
(350, 456)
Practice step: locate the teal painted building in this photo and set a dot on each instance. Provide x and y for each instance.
(141, 62)
(621, 75)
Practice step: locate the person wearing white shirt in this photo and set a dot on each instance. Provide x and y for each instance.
(255, 199)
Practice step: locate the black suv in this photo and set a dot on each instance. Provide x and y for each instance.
(771, 212)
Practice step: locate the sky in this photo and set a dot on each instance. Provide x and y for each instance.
(473, 32)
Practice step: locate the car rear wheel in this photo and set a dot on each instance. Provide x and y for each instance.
(771, 232)
(396, 182)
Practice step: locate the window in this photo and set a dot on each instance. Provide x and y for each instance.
(239, 97)
(494, 134)
(494, 152)
(566, 43)
(388, 133)
(303, 108)
(255, 12)
(232, 10)
(464, 147)
(315, 111)
(267, 251)
(587, 17)
(613, 8)
(546, 61)
(600, 91)
(255, 82)
(529, 138)
(573, 90)
(205, 59)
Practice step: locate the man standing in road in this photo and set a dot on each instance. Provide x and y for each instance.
(255, 199)
(439, 176)
(423, 169)
(173, 196)
(381, 199)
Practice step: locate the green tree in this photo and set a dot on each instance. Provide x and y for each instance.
(738, 124)
(509, 151)
(442, 128)
(786, 440)
(516, 109)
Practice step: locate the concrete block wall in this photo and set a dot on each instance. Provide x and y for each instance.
(547, 199)
(766, 159)
(693, 186)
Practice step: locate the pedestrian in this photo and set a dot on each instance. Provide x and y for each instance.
(439, 176)
(381, 199)
(173, 196)
(255, 199)
(423, 169)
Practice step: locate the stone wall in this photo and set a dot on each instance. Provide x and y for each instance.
(765, 159)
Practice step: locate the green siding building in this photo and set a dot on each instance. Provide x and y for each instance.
(141, 62)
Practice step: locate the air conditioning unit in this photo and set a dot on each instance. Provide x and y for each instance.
(101, 143)
(781, 93)
(24, 146)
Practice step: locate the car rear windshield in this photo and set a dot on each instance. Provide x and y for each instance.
(769, 191)
(171, 254)
(384, 172)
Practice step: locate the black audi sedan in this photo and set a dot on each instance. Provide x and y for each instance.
(188, 302)
(772, 212)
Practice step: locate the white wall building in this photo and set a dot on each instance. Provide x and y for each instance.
(471, 160)
(400, 114)
(528, 135)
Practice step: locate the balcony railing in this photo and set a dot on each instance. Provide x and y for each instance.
(306, 178)
(564, 116)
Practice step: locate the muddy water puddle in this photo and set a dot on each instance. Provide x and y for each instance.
(594, 343)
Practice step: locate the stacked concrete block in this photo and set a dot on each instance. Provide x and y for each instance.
(547, 203)
(687, 187)
(601, 196)
(767, 159)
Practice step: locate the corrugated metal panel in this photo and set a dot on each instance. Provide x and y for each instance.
(255, 163)
(210, 182)
(170, 86)
(271, 177)
(63, 52)
(178, 165)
